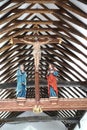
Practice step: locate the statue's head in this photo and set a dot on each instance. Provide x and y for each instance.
(51, 66)
(21, 67)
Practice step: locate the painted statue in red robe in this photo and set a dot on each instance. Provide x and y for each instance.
(52, 81)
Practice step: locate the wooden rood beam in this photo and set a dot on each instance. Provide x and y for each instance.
(46, 104)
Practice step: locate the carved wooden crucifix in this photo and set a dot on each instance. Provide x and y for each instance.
(37, 43)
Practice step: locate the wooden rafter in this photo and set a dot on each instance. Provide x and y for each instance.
(67, 7)
(10, 8)
(70, 18)
(83, 1)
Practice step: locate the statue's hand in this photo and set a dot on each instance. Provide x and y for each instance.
(60, 40)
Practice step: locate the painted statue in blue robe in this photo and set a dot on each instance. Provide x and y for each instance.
(21, 82)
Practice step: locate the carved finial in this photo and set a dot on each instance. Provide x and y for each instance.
(37, 109)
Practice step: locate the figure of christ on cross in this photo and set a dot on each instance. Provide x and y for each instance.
(37, 48)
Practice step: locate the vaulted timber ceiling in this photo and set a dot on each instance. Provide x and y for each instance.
(55, 18)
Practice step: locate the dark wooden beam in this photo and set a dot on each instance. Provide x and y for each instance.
(82, 85)
(40, 1)
(35, 1)
(37, 10)
(70, 120)
(45, 104)
(36, 29)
